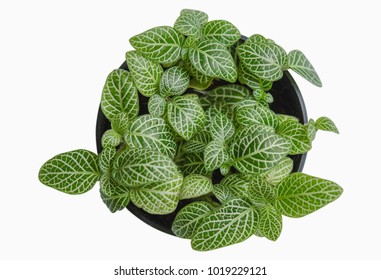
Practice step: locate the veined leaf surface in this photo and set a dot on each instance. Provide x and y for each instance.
(280, 171)
(221, 31)
(157, 105)
(116, 197)
(195, 185)
(270, 222)
(298, 62)
(190, 21)
(174, 81)
(198, 142)
(326, 124)
(232, 186)
(297, 135)
(215, 155)
(221, 127)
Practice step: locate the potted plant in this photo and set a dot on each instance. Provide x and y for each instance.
(202, 133)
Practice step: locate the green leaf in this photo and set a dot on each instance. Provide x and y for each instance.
(146, 73)
(105, 158)
(257, 153)
(157, 105)
(234, 222)
(190, 21)
(186, 116)
(137, 167)
(215, 109)
(280, 171)
(200, 79)
(265, 60)
(326, 124)
(215, 155)
(301, 194)
(174, 81)
(298, 62)
(311, 129)
(250, 112)
(73, 172)
(283, 118)
(260, 191)
(232, 186)
(247, 78)
(119, 95)
(115, 197)
(189, 218)
(251, 130)
(225, 169)
(221, 31)
(194, 164)
(161, 44)
(195, 185)
(231, 95)
(297, 135)
(213, 59)
(110, 138)
(149, 132)
(158, 197)
(120, 123)
(221, 127)
(256, 38)
(270, 222)
(198, 142)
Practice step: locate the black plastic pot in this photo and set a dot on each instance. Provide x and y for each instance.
(287, 100)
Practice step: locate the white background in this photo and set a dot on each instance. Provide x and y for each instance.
(54, 58)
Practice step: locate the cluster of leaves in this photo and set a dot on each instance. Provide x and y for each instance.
(195, 129)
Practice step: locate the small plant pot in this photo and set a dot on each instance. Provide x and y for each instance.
(287, 100)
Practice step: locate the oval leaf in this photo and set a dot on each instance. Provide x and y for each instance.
(194, 164)
(326, 124)
(297, 135)
(255, 114)
(161, 44)
(280, 171)
(189, 218)
(137, 167)
(265, 60)
(174, 81)
(119, 95)
(110, 138)
(105, 158)
(73, 172)
(270, 222)
(215, 155)
(301, 194)
(146, 73)
(157, 105)
(186, 115)
(120, 122)
(232, 186)
(190, 21)
(229, 94)
(197, 143)
(149, 132)
(221, 127)
(221, 31)
(115, 197)
(195, 185)
(213, 59)
(234, 222)
(298, 62)
(159, 197)
(260, 191)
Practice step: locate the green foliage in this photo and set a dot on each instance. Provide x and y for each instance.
(210, 137)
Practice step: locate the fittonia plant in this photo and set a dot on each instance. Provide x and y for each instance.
(195, 128)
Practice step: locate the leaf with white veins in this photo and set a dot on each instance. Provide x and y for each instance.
(270, 222)
(215, 155)
(195, 185)
(326, 124)
(298, 62)
(221, 31)
(297, 135)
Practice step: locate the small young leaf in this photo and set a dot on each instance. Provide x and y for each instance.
(190, 21)
(265, 60)
(311, 129)
(194, 164)
(221, 31)
(280, 171)
(213, 59)
(232, 186)
(115, 197)
(301, 194)
(195, 185)
(326, 124)
(257, 153)
(255, 114)
(270, 222)
(158, 198)
(260, 191)
(111, 138)
(221, 127)
(215, 155)
(230, 94)
(161, 44)
(146, 73)
(120, 123)
(198, 142)
(174, 81)
(119, 95)
(149, 132)
(105, 158)
(73, 172)
(297, 135)
(186, 116)
(234, 222)
(137, 167)
(157, 105)
(225, 169)
(189, 218)
(214, 110)
(298, 62)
